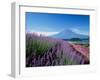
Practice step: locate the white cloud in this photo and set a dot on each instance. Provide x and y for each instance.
(46, 33)
(79, 31)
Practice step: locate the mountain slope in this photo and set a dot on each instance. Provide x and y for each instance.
(68, 34)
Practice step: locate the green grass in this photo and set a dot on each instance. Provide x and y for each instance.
(37, 47)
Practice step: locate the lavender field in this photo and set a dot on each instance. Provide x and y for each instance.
(47, 51)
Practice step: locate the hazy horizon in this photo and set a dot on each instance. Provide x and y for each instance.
(50, 24)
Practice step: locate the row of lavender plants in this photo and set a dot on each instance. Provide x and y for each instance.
(45, 51)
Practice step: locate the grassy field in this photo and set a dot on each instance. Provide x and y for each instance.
(45, 51)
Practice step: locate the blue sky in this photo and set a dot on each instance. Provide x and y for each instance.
(46, 22)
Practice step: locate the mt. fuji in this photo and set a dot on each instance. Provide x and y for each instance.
(68, 34)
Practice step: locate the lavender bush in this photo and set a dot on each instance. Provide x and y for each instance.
(45, 51)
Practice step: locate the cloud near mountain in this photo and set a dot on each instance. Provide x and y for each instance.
(68, 34)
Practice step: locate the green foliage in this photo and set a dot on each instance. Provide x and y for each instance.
(37, 47)
(75, 39)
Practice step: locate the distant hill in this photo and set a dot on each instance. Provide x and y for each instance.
(68, 34)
